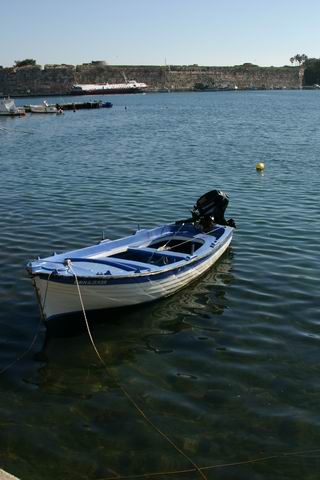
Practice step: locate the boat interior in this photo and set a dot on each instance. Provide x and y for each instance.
(156, 254)
(131, 257)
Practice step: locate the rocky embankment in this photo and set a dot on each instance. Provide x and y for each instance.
(58, 79)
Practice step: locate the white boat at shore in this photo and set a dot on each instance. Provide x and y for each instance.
(108, 88)
(8, 108)
(143, 267)
(43, 108)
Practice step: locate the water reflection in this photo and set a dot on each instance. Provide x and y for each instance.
(206, 297)
(228, 366)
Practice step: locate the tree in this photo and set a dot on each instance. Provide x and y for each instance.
(299, 59)
(248, 65)
(23, 63)
(312, 72)
(200, 86)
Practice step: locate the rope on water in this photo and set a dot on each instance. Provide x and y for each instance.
(84, 313)
(125, 392)
(216, 466)
(42, 305)
(5, 369)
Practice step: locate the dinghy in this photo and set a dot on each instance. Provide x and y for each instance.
(143, 267)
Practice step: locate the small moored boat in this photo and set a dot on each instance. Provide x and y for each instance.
(8, 108)
(140, 268)
(44, 108)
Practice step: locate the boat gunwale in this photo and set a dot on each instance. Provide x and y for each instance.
(137, 276)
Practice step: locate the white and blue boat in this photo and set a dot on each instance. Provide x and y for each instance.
(143, 267)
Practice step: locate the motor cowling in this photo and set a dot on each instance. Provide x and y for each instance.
(210, 208)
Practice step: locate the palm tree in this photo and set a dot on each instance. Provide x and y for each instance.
(299, 59)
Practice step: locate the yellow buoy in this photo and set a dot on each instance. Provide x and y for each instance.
(259, 166)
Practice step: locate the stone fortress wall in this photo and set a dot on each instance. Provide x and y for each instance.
(58, 79)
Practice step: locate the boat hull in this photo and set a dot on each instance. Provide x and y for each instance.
(57, 298)
(19, 113)
(104, 91)
(43, 110)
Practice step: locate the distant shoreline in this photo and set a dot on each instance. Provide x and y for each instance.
(165, 92)
(57, 80)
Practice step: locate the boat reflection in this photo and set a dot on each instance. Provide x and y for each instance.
(122, 333)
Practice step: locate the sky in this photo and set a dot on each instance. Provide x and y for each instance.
(159, 32)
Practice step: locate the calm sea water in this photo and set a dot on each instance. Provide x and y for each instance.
(229, 367)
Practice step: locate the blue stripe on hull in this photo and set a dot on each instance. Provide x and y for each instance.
(133, 279)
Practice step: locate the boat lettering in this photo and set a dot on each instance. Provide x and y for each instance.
(92, 282)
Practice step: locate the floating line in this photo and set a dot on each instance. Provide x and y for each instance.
(212, 467)
(126, 393)
(24, 353)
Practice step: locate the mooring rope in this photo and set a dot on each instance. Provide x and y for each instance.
(163, 247)
(212, 467)
(125, 392)
(42, 305)
(24, 353)
(189, 239)
(195, 468)
(84, 313)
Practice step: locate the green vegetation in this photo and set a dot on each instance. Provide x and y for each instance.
(249, 65)
(24, 63)
(299, 59)
(312, 72)
(200, 86)
(246, 65)
(311, 66)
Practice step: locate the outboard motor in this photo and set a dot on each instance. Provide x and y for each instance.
(210, 208)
